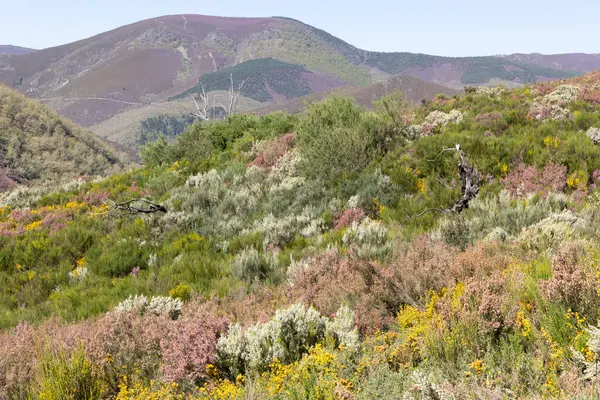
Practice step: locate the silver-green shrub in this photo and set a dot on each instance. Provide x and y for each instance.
(157, 305)
(285, 337)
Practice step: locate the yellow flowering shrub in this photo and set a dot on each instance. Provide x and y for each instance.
(328, 374)
(135, 390)
(33, 225)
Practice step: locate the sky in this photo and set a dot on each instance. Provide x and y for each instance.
(440, 27)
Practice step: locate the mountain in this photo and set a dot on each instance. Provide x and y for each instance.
(95, 79)
(563, 62)
(14, 50)
(38, 145)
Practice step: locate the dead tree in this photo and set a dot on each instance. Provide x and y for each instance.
(469, 177)
(130, 207)
(202, 101)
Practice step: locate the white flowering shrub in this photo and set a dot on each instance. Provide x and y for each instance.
(342, 329)
(552, 230)
(286, 336)
(157, 305)
(594, 134)
(210, 188)
(277, 203)
(249, 264)
(591, 369)
(78, 274)
(354, 201)
(554, 106)
(504, 218)
(441, 119)
(494, 92)
(163, 305)
(435, 120)
(24, 196)
(286, 167)
(368, 237)
(278, 231)
(425, 389)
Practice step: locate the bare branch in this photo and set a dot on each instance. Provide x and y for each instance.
(131, 209)
(233, 96)
(440, 210)
(469, 177)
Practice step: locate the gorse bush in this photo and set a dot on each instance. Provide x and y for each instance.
(64, 376)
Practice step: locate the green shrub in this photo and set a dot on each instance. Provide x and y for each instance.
(331, 141)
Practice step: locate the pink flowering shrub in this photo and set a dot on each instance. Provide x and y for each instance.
(349, 216)
(273, 150)
(493, 120)
(332, 279)
(489, 301)
(526, 179)
(572, 282)
(189, 345)
(375, 292)
(17, 359)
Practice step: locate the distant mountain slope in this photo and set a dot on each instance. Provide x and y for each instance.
(14, 50)
(459, 71)
(265, 80)
(95, 79)
(564, 62)
(414, 88)
(123, 127)
(37, 144)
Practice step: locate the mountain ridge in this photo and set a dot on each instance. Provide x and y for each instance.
(94, 79)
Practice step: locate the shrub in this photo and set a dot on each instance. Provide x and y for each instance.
(573, 282)
(249, 264)
(369, 238)
(331, 141)
(63, 376)
(157, 305)
(554, 105)
(269, 152)
(525, 180)
(285, 337)
(189, 346)
(181, 292)
(348, 217)
(594, 134)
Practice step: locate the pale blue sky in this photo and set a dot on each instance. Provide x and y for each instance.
(443, 27)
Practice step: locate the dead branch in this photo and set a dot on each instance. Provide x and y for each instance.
(233, 96)
(131, 209)
(469, 177)
(202, 101)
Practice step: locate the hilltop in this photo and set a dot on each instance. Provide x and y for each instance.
(36, 145)
(95, 79)
(335, 253)
(14, 50)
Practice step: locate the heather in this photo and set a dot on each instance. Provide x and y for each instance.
(313, 256)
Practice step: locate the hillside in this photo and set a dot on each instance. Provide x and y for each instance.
(36, 145)
(14, 50)
(97, 78)
(413, 88)
(564, 62)
(334, 254)
(265, 80)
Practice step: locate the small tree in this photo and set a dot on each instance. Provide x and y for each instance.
(202, 102)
